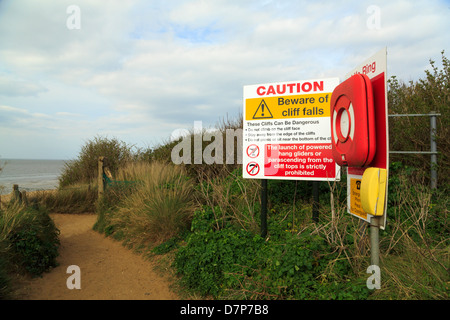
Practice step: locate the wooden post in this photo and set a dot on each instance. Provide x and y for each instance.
(24, 198)
(16, 193)
(100, 178)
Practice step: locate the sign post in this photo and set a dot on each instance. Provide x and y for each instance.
(286, 134)
(286, 131)
(375, 68)
(263, 208)
(360, 140)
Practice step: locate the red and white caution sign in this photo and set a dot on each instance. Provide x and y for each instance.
(253, 151)
(252, 168)
(287, 131)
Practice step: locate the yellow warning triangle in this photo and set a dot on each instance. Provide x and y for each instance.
(263, 111)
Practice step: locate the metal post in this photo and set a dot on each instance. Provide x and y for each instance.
(433, 145)
(315, 207)
(433, 150)
(374, 242)
(263, 208)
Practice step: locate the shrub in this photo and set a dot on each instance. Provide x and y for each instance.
(234, 263)
(157, 206)
(85, 168)
(413, 133)
(28, 239)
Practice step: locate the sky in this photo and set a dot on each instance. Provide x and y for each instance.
(140, 70)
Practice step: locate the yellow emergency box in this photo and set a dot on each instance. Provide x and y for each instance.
(373, 191)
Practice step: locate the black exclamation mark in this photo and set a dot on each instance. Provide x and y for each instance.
(262, 109)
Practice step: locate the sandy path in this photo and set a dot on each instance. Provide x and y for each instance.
(109, 271)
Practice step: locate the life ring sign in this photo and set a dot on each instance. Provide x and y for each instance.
(353, 122)
(359, 137)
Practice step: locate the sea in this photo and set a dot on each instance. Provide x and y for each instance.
(30, 175)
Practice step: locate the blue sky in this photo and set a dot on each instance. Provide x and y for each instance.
(139, 70)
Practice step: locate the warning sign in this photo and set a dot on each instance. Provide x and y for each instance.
(355, 199)
(376, 70)
(299, 160)
(252, 168)
(262, 112)
(314, 105)
(253, 151)
(287, 132)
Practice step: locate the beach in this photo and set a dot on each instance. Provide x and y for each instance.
(30, 174)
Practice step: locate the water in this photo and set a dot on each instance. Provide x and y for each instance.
(30, 175)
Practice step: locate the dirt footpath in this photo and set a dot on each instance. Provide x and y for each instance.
(108, 270)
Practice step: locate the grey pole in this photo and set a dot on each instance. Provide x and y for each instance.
(433, 150)
(374, 242)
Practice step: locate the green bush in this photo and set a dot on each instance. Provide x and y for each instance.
(85, 168)
(235, 263)
(34, 243)
(431, 93)
(28, 243)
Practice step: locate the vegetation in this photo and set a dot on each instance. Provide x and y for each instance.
(28, 243)
(156, 205)
(225, 257)
(413, 133)
(76, 198)
(205, 218)
(84, 169)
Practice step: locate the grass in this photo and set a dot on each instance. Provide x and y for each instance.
(415, 274)
(28, 243)
(156, 206)
(151, 207)
(76, 198)
(415, 246)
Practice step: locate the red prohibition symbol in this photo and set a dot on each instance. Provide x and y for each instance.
(252, 168)
(253, 151)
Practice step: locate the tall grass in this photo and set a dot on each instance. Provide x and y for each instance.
(12, 218)
(415, 246)
(76, 198)
(28, 243)
(231, 198)
(156, 205)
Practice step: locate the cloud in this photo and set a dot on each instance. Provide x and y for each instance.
(138, 70)
(12, 86)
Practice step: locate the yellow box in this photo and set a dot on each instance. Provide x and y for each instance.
(373, 191)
